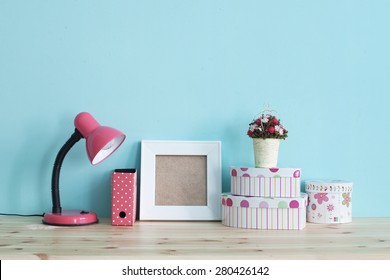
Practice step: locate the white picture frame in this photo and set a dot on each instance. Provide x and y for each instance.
(150, 150)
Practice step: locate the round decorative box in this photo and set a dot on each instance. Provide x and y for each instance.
(264, 212)
(330, 202)
(266, 182)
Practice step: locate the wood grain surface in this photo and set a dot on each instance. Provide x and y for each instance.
(24, 238)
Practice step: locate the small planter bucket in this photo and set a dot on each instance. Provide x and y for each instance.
(266, 152)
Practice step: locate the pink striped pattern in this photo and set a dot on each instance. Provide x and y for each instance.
(264, 218)
(266, 186)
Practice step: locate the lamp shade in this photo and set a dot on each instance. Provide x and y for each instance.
(101, 141)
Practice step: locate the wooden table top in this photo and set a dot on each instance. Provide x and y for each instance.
(23, 238)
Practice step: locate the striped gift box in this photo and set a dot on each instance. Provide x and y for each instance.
(264, 213)
(266, 182)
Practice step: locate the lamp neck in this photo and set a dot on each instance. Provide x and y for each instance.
(55, 190)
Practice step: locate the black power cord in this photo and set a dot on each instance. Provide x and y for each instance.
(22, 215)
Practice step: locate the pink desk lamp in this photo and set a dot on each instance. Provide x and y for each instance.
(101, 142)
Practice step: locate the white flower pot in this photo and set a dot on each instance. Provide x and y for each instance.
(266, 152)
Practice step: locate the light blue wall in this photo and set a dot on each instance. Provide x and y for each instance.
(193, 70)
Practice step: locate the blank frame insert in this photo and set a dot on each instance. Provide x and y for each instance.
(181, 180)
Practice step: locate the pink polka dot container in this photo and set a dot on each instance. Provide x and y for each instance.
(123, 197)
(266, 182)
(264, 212)
(330, 202)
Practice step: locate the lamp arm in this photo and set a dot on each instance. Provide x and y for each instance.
(55, 190)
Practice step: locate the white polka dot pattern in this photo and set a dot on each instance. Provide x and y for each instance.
(124, 197)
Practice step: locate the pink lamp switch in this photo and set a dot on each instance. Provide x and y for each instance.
(124, 197)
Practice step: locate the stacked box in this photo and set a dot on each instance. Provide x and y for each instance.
(264, 212)
(265, 198)
(266, 182)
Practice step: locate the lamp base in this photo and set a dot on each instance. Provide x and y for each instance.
(70, 218)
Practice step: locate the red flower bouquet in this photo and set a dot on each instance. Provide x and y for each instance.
(267, 126)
